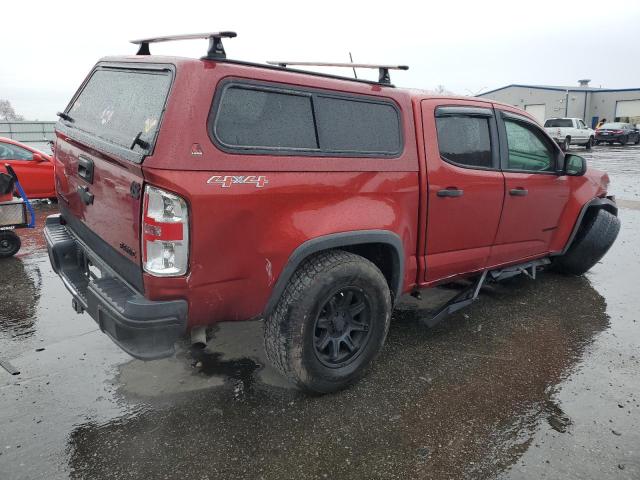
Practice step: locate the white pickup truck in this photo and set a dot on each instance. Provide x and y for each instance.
(569, 131)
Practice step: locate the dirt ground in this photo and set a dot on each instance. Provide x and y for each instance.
(538, 379)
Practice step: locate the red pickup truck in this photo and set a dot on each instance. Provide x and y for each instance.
(196, 191)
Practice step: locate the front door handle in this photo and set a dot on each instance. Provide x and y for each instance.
(450, 192)
(518, 192)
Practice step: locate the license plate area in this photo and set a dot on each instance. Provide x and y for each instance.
(90, 269)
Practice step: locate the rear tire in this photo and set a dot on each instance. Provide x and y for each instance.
(9, 243)
(594, 238)
(330, 322)
(565, 145)
(637, 140)
(598, 142)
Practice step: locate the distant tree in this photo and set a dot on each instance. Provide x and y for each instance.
(7, 113)
(442, 90)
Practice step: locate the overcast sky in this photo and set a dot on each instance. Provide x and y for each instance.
(47, 47)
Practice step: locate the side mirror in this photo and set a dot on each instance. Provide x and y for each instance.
(574, 165)
(37, 157)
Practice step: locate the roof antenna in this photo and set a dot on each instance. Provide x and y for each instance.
(355, 75)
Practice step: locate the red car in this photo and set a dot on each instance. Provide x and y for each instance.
(200, 191)
(34, 168)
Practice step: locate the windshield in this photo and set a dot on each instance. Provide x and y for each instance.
(118, 105)
(558, 122)
(613, 125)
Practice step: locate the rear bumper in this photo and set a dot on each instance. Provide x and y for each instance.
(609, 138)
(143, 328)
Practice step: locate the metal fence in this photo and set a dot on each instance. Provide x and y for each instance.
(28, 132)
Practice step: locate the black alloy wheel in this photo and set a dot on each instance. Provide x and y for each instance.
(341, 329)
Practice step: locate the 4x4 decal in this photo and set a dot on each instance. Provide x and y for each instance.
(227, 180)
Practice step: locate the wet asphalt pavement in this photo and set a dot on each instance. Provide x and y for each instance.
(538, 379)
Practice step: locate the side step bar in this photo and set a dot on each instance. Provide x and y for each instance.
(468, 296)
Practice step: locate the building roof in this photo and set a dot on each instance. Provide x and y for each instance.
(561, 88)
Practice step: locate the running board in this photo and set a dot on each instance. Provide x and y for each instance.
(468, 296)
(528, 269)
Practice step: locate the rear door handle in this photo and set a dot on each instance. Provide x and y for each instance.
(450, 192)
(518, 192)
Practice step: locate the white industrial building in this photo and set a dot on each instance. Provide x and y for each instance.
(589, 103)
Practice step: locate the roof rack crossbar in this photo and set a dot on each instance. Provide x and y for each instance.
(383, 70)
(215, 50)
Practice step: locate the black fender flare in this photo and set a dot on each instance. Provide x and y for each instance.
(606, 203)
(340, 240)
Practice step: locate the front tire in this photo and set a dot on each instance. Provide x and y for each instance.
(330, 322)
(623, 140)
(589, 143)
(594, 238)
(9, 243)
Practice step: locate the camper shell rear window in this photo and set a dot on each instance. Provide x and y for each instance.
(257, 118)
(120, 109)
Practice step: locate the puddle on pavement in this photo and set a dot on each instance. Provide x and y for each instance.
(469, 393)
(234, 357)
(19, 296)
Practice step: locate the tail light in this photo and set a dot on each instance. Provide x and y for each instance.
(617, 132)
(165, 233)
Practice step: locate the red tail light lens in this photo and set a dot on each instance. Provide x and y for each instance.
(617, 132)
(165, 233)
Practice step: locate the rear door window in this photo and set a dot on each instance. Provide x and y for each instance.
(465, 140)
(118, 105)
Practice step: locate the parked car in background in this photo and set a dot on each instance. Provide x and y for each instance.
(619, 132)
(569, 131)
(33, 167)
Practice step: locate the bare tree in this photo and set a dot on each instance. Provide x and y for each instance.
(442, 90)
(7, 113)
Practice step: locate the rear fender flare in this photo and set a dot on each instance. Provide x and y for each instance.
(336, 241)
(596, 203)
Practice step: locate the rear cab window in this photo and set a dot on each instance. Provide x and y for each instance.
(256, 118)
(558, 122)
(120, 109)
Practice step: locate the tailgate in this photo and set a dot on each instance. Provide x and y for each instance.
(101, 141)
